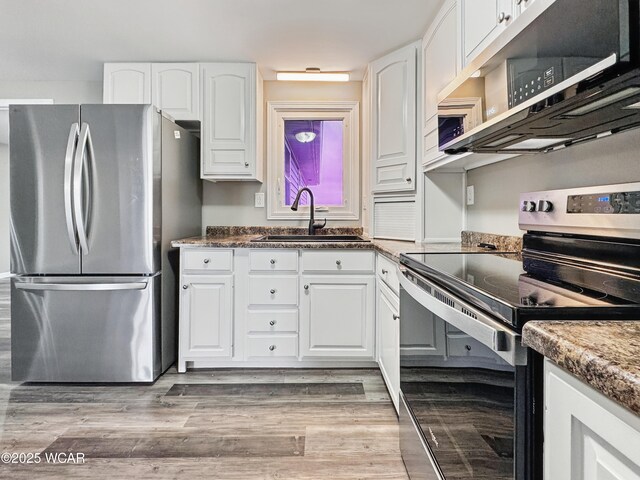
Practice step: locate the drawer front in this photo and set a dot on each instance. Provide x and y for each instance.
(461, 345)
(208, 260)
(338, 261)
(388, 273)
(273, 260)
(273, 289)
(272, 346)
(266, 321)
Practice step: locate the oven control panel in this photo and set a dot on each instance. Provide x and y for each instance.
(608, 210)
(605, 203)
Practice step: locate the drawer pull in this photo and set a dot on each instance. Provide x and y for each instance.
(338, 262)
(272, 261)
(306, 287)
(206, 260)
(184, 287)
(467, 348)
(272, 291)
(272, 323)
(385, 271)
(272, 347)
(396, 317)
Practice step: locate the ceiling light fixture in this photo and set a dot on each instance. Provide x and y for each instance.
(305, 137)
(313, 75)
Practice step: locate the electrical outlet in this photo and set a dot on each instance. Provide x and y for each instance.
(259, 203)
(471, 195)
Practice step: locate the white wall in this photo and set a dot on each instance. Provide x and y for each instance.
(615, 159)
(60, 92)
(231, 203)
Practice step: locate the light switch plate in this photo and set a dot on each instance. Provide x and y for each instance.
(471, 195)
(259, 202)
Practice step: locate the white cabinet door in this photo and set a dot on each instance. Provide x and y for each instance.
(337, 316)
(587, 436)
(393, 117)
(482, 22)
(127, 83)
(440, 57)
(441, 64)
(387, 308)
(229, 125)
(522, 5)
(176, 89)
(206, 318)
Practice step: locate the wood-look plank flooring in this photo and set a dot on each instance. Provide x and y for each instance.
(298, 424)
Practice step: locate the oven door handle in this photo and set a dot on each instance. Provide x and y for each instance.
(501, 340)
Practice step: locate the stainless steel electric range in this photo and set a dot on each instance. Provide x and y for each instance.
(471, 393)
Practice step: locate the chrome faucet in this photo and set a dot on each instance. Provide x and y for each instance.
(313, 226)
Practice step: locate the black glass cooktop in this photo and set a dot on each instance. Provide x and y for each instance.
(518, 289)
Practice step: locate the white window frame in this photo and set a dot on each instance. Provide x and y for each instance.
(349, 114)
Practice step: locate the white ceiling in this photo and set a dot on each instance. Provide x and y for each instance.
(70, 39)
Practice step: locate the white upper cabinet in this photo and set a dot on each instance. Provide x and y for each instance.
(176, 89)
(232, 121)
(393, 118)
(127, 83)
(172, 87)
(441, 63)
(521, 5)
(482, 21)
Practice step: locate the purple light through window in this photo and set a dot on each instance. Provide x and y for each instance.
(317, 164)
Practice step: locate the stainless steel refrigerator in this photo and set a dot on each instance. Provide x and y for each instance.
(97, 194)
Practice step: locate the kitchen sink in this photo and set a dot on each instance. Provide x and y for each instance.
(310, 238)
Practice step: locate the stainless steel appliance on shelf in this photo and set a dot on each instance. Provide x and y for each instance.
(471, 394)
(97, 193)
(563, 72)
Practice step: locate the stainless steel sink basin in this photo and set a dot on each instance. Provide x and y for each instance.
(310, 238)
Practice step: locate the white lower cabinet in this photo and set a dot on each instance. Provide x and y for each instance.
(277, 308)
(587, 435)
(337, 316)
(387, 313)
(206, 318)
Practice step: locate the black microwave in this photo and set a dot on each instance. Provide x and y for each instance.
(571, 73)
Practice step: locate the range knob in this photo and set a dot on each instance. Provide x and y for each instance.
(545, 206)
(528, 206)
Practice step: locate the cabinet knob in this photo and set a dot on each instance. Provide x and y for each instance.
(306, 287)
(385, 271)
(409, 179)
(272, 261)
(272, 323)
(518, 2)
(272, 291)
(184, 287)
(272, 347)
(467, 348)
(246, 164)
(338, 262)
(206, 260)
(503, 17)
(396, 316)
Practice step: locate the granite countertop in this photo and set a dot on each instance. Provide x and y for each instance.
(605, 355)
(241, 237)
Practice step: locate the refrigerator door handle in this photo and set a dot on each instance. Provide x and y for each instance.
(82, 286)
(68, 196)
(84, 144)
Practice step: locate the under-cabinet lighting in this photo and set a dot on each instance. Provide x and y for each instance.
(313, 75)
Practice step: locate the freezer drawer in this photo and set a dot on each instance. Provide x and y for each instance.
(85, 329)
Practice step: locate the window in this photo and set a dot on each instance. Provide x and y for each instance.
(313, 145)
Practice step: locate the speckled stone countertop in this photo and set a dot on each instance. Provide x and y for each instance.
(606, 355)
(242, 237)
